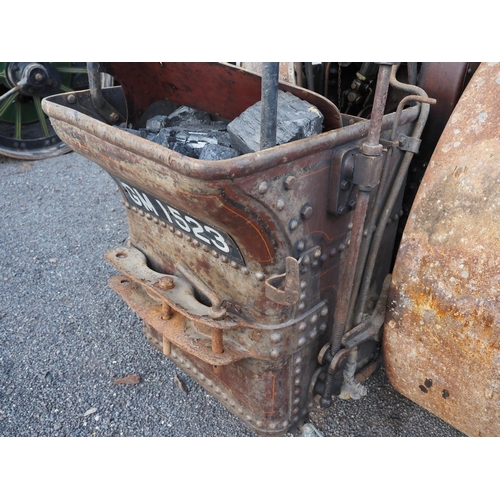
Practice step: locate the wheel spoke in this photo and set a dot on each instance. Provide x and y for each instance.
(18, 123)
(41, 115)
(5, 104)
(73, 70)
(65, 88)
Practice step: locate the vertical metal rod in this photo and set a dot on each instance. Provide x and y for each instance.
(269, 105)
(217, 341)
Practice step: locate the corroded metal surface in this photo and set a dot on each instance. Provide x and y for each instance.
(442, 333)
(252, 237)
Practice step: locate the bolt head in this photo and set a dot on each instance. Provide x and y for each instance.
(306, 211)
(289, 181)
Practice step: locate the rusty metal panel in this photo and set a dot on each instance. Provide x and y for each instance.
(233, 265)
(442, 333)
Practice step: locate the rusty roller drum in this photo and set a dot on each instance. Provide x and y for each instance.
(442, 329)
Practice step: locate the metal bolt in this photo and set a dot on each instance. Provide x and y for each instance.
(341, 210)
(345, 185)
(114, 117)
(352, 204)
(71, 99)
(166, 283)
(289, 181)
(263, 187)
(276, 337)
(306, 211)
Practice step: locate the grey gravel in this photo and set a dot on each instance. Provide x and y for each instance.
(65, 337)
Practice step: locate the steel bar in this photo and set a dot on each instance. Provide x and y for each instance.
(269, 105)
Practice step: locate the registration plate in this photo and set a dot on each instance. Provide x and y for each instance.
(213, 238)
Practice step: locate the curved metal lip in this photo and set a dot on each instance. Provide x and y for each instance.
(61, 114)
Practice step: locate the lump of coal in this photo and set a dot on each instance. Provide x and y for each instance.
(296, 119)
(217, 152)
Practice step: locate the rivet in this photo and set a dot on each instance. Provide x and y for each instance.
(234, 264)
(293, 224)
(163, 224)
(224, 259)
(202, 377)
(272, 426)
(245, 270)
(204, 248)
(313, 334)
(259, 423)
(275, 353)
(302, 296)
(240, 410)
(141, 213)
(297, 381)
(303, 285)
(341, 247)
(317, 253)
(306, 211)
(172, 230)
(298, 361)
(263, 186)
(231, 403)
(71, 99)
(322, 327)
(302, 341)
(301, 306)
(174, 355)
(276, 337)
(298, 370)
(155, 220)
(307, 260)
(296, 401)
(134, 209)
(249, 418)
(280, 205)
(289, 181)
(324, 311)
(333, 252)
(260, 276)
(314, 318)
(295, 411)
(285, 424)
(297, 391)
(149, 217)
(302, 326)
(178, 234)
(350, 226)
(213, 253)
(300, 246)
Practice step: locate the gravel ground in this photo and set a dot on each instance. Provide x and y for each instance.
(65, 337)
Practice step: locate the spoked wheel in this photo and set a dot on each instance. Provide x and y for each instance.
(25, 131)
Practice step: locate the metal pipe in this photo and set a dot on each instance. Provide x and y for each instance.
(269, 105)
(309, 75)
(370, 151)
(395, 189)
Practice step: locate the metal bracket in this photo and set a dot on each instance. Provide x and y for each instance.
(340, 196)
(411, 144)
(285, 288)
